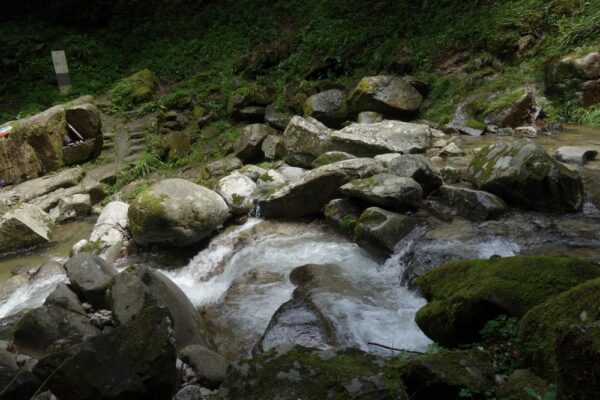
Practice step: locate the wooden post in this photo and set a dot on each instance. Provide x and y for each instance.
(61, 68)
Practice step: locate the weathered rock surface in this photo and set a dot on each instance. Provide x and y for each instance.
(177, 212)
(210, 368)
(65, 298)
(223, 166)
(248, 146)
(329, 107)
(308, 194)
(385, 94)
(475, 205)
(71, 207)
(304, 139)
(331, 157)
(109, 233)
(419, 168)
(369, 117)
(385, 190)
(342, 215)
(272, 147)
(133, 362)
(138, 288)
(381, 138)
(277, 119)
(524, 175)
(575, 76)
(575, 154)
(90, 276)
(24, 226)
(238, 192)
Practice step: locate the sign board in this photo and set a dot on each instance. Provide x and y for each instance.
(59, 58)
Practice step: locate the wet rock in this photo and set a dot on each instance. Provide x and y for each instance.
(297, 322)
(444, 375)
(304, 139)
(138, 288)
(342, 215)
(381, 138)
(545, 325)
(177, 212)
(223, 166)
(369, 117)
(16, 384)
(385, 190)
(24, 226)
(210, 368)
(464, 295)
(273, 147)
(90, 276)
(575, 154)
(308, 194)
(41, 327)
(78, 205)
(248, 146)
(474, 205)
(385, 94)
(328, 107)
(64, 297)
(524, 175)
(238, 192)
(132, 362)
(110, 231)
(277, 119)
(331, 157)
(379, 230)
(419, 168)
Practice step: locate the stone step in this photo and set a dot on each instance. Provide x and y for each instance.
(132, 158)
(137, 149)
(137, 141)
(137, 135)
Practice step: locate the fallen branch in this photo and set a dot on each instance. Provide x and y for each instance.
(393, 348)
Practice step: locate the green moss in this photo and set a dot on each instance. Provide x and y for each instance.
(134, 89)
(348, 223)
(372, 217)
(464, 295)
(266, 178)
(490, 104)
(472, 123)
(93, 247)
(147, 212)
(237, 199)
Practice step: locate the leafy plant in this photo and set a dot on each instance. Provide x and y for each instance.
(550, 394)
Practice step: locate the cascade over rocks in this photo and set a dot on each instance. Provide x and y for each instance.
(308, 194)
(24, 226)
(385, 94)
(176, 212)
(524, 175)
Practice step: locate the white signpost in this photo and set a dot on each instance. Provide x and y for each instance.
(61, 68)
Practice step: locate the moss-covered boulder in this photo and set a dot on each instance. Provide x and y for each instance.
(575, 77)
(135, 89)
(342, 215)
(308, 374)
(580, 304)
(178, 145)
(176, 212)
(464, 295)
(251, 95)
(390, 95)
(329, 107)
(525, 176)
(512, 108)
(238, 192)
(304, 140)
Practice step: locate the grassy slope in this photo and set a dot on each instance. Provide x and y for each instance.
(197, 48)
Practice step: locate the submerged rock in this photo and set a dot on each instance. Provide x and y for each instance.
(24, 226)
(176, 212)
(464, 295)
(524, 175)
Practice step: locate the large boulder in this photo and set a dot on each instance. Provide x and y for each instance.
(24, 226)
(238, 192)
(475, 205)
(464, 295)
(328, 107)
(70, 207)
(381, 138)
(138, 288)
(223, 166)
(132, 362)
(304, 139)
(385, 94)
(176, 212)
(385, 190)
(110, 231)
(379, 231)
(308, 194)
(209, 367)
(90, 276)
(64, 297)
(525, 176)
(419, 168)
(541, 326)
(248, 145)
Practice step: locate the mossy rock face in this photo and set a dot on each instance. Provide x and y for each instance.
(464, 295)
(304, 140)
(518, 382)
(512, 108)
(581, 304)
(444, 375)
(525, 176)
(135, 89)
(252, 95)
(330, 157)
(390, 95)
(179, 145)
(308, 374)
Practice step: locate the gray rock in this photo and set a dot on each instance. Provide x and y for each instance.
(248, 146)
(525, 131)
(331, 157)
(223, 166)
(452, 150)
(381, 138)
(474, 205)
(308, 194)
(87, 186)
(524, 175)
(64, 297)
(369, 117)
(41, 327)
(251, 171)
(379, 231)
(273, 147)
(137, 288)
(90, 276)
(136, 361)
(251, 113)
(304, 139)
(575, 154)
(177, 212)
(328, 107)
(386, 159)
(385, 190)
(190, 392)
(516, 114)
(109, 233)
(419, 168)
(210, 367)
(71, 207)
(238, 192)
(290, 173)
(24, 226)
(385, 94)
(268, 182)
(297, 322)
(342, 215)
(277, 119)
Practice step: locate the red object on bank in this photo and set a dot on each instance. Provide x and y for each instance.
(5, 131)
